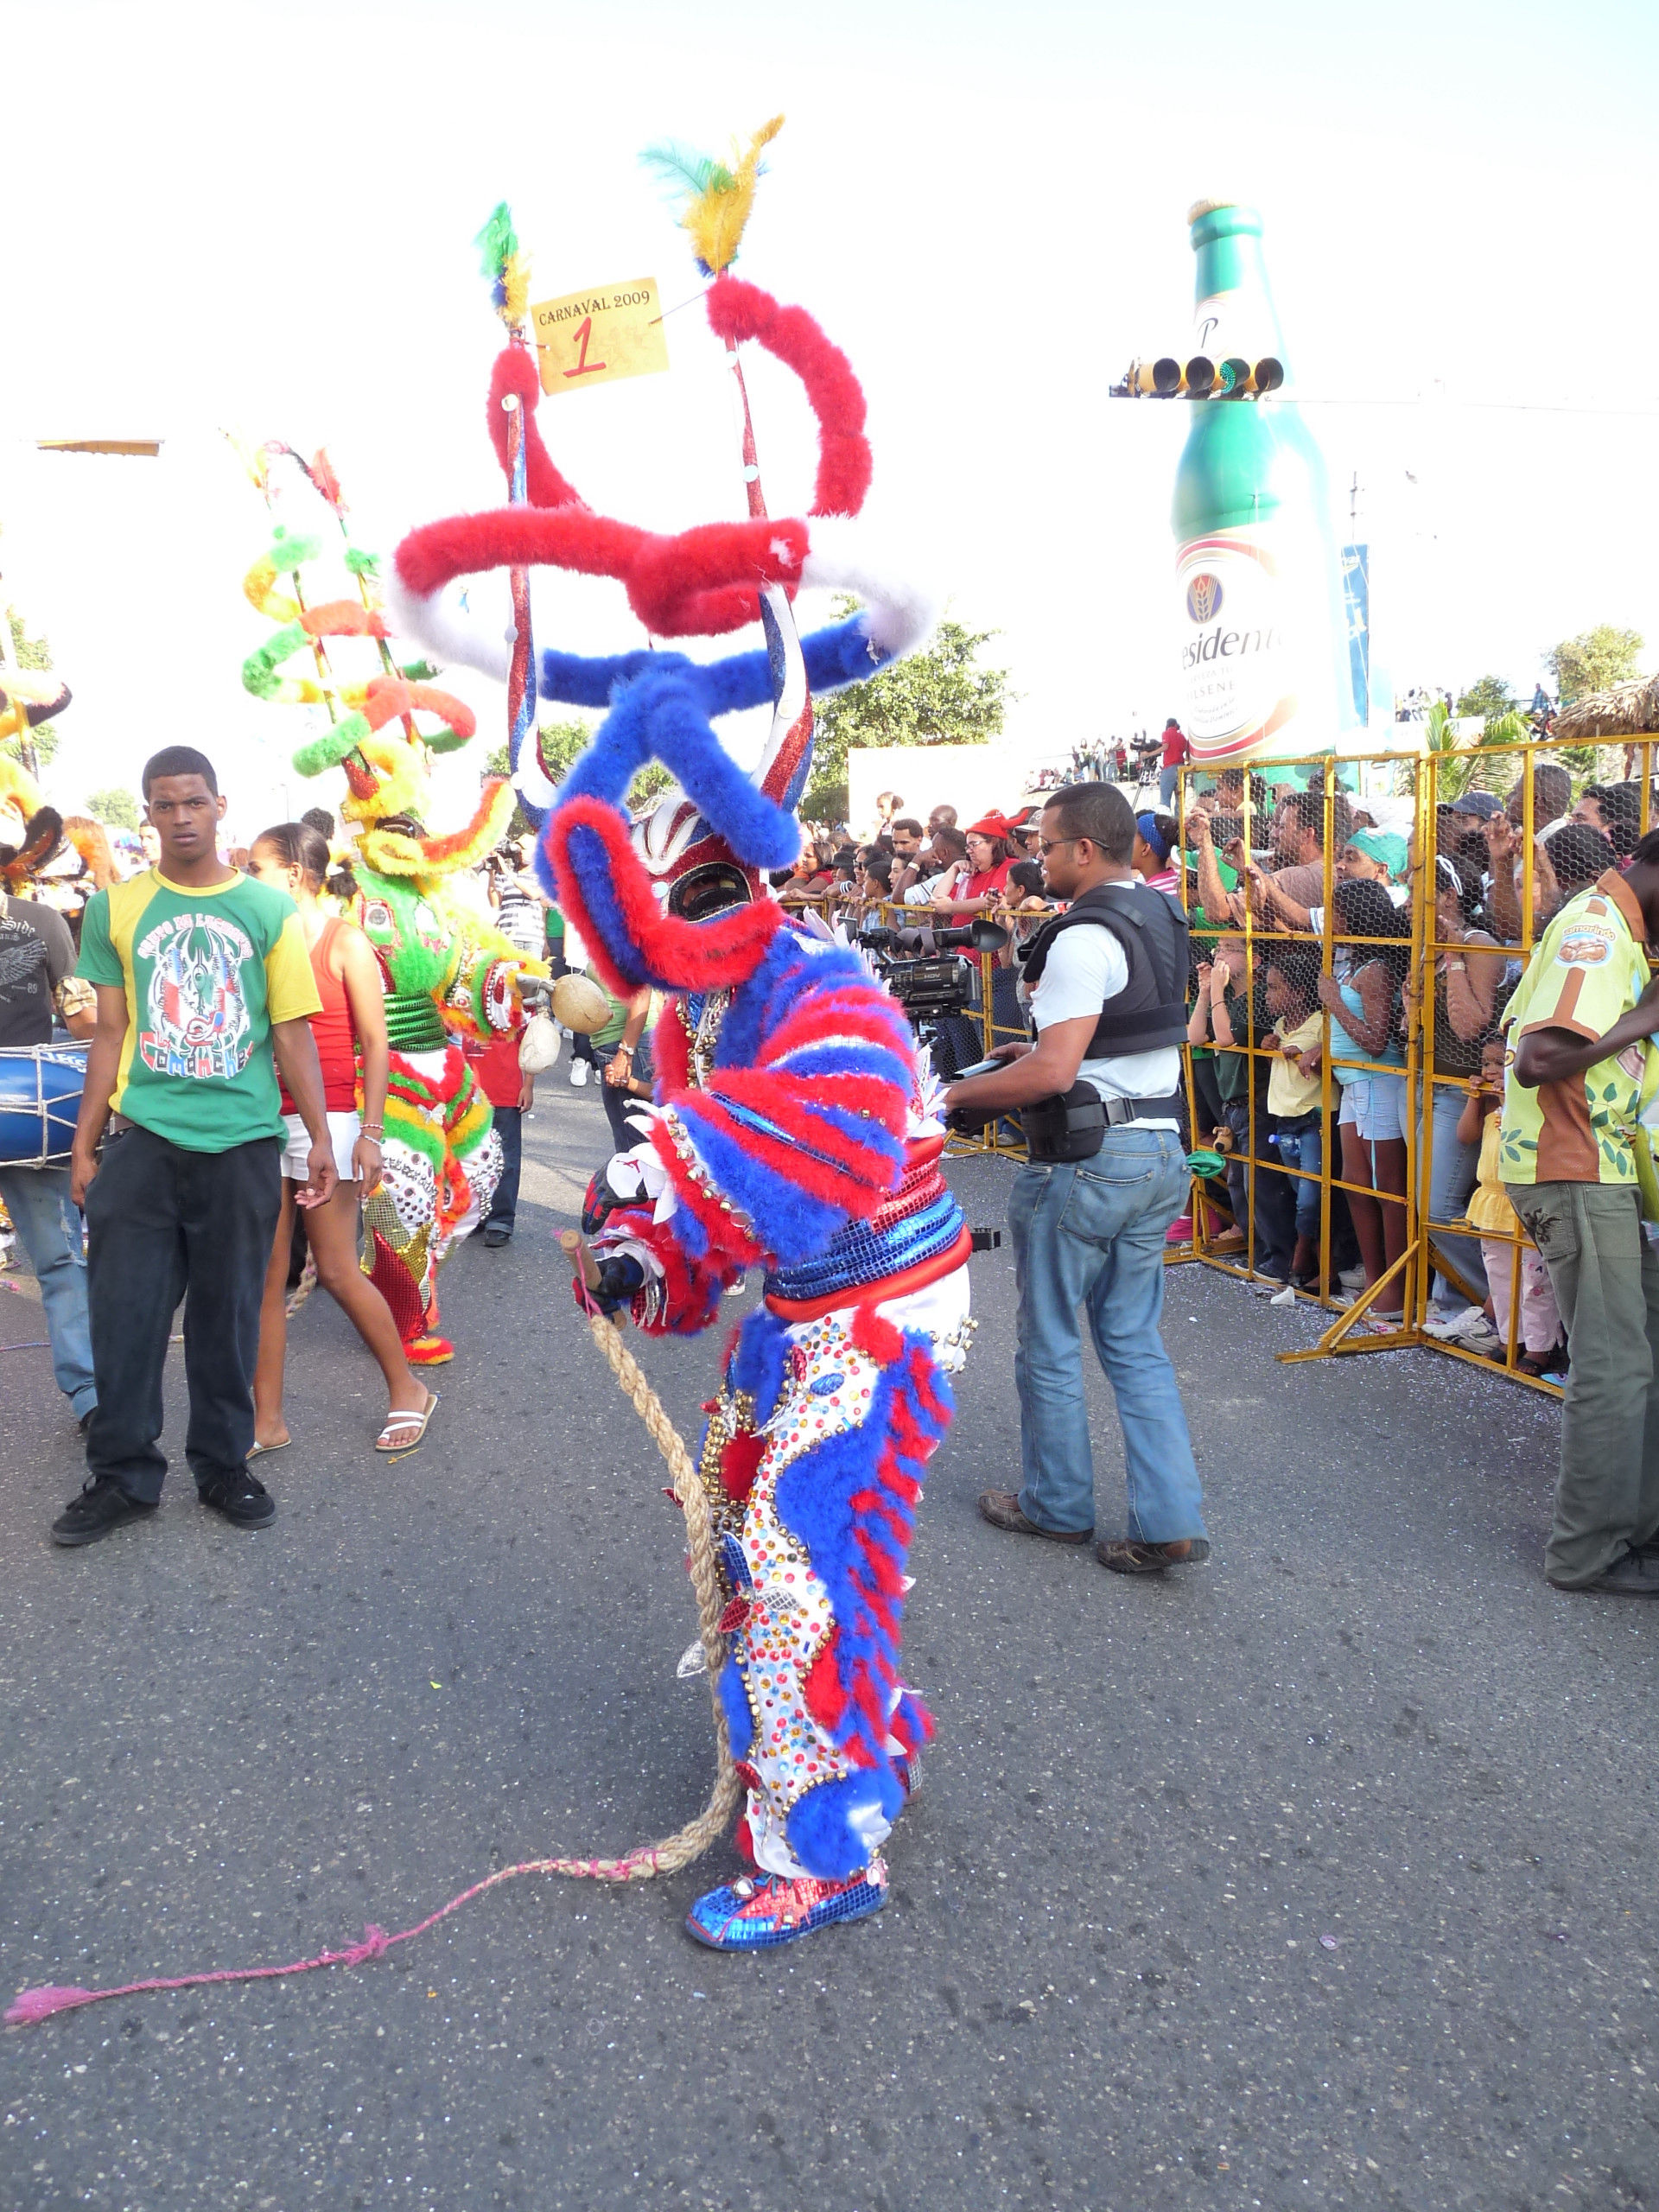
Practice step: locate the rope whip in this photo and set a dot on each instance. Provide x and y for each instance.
(642, 1864)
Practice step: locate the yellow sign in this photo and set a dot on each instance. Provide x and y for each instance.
(594, 337)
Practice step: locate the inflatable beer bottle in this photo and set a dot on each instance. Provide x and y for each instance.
(1263, 667)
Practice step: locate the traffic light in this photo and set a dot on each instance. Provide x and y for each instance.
(1200, 378)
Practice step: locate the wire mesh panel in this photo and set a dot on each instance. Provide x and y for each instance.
(1474, 851)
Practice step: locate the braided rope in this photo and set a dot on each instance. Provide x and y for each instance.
(306, 1285)
(679, 1849)
(641, 1864)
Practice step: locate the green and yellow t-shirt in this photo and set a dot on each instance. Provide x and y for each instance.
(205, 974)
(1587, 970)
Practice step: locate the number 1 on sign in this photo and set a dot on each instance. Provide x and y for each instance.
(584, 367)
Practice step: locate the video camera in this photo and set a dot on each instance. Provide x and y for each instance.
(919, 966)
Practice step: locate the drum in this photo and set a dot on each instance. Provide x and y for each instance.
(39, 1102)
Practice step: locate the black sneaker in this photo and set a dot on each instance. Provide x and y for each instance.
(102, 1506)
(1633, 1575)
(495, 1236)
(243, 1500)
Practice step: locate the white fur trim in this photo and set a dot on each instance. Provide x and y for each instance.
(899, 614)
(444, 631)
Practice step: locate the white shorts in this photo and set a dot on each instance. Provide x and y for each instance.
(1376, 1105)
(344, 1129)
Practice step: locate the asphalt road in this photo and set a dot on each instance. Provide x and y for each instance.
(1321, 1876)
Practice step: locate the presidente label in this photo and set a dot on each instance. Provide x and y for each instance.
(597, 336)
(1244, 619)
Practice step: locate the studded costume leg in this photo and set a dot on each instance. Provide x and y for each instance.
(814, 1455)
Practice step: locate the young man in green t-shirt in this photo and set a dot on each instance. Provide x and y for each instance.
(1579, 1020)
(201, 974)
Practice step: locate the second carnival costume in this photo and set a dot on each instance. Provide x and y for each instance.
(448, 977)
(792, 1127)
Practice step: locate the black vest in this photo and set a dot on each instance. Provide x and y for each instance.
(1150, 1011)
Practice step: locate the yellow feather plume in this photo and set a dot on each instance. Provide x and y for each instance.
(717, 216)
(515, 279)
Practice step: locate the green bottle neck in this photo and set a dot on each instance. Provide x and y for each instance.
(1233, 309)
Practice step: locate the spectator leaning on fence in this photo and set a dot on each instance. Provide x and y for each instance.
(1468, 972)
(1363, 997)
(1486, 1329)
(1615, 810)
(1572, 1160)
(1291, 992)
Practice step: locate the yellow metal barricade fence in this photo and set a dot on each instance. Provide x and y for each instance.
(1421, 1076)
(1431, 1060)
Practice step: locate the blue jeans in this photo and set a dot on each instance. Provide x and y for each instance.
(1167, 779)
(38, 1201)
(1302, 1148)
(1091, 1232)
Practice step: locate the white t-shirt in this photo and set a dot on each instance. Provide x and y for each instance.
(1084, 967)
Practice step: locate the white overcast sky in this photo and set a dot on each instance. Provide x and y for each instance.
(260, 217)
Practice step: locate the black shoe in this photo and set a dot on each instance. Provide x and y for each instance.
(102, 1506)
(1636, 1575)
(243, 1501)
(495, 1236)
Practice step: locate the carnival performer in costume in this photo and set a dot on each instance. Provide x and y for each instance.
(58, 859)
(790, 1129)
(448, 975)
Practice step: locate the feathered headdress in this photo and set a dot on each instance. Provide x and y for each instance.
(505, 265)
(720, 198)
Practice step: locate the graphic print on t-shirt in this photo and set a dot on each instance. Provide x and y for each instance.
(22, 963)
(198, 1021)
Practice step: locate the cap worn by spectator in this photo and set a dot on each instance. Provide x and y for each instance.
(991, 825)
(1483, 803)
(1383, 847)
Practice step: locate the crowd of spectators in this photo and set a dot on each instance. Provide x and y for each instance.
(1265, 1016)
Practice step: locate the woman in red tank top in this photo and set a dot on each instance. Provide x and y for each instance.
(351, 1026)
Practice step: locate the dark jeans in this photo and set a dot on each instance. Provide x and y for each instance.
(163, 1223)
(509, 1125)
(619, 1102)
(1268, 1198)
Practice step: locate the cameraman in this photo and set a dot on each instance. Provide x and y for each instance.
(1097, 1094)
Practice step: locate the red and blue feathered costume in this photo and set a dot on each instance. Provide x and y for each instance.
(790, 1132)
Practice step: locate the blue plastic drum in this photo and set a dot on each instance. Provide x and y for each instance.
(39, 1102)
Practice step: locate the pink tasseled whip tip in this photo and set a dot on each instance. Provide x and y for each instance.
(32, 2005)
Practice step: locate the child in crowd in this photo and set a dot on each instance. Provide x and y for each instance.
(1486, 1330)
(1231, 1017)
(1291, 995)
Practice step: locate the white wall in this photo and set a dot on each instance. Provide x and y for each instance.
(974, 778)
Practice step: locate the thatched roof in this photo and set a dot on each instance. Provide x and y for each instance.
(1629, 710)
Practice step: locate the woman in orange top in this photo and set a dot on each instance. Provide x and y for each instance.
(293, 857)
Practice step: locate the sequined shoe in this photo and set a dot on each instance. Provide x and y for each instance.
(756, 1914)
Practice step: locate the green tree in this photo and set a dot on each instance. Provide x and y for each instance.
(561, 743)
(942, 697)
(1490, 698)
(115, 806)
(1592, 660)
(33, 747)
